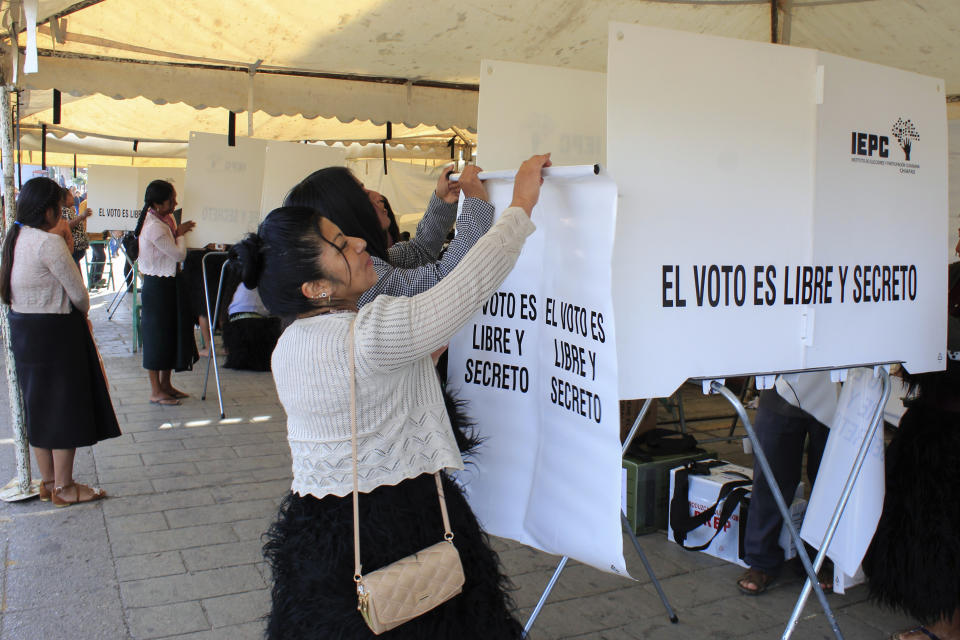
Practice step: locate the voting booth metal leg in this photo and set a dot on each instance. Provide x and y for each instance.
(875, 423)
(633, 538)
(761, 459)
(212, 318)
(543, 597)
(646, 565)
(119, 295)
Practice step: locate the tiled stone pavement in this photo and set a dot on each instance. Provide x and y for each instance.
(175, 551)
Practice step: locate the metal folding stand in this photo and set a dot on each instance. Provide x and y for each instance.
(844, 497)
(119, 295)
(633, 538)
(213, 323)
(761, 459)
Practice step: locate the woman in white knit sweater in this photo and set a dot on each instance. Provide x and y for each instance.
(307, 268)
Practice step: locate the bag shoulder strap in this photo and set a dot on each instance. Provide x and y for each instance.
(448, 533)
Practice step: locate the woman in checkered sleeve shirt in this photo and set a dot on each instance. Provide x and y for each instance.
(406, 268)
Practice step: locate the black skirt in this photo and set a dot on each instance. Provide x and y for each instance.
(166, 324)
(913, 563)
(310, 551)
(250, 342)
(65, 397)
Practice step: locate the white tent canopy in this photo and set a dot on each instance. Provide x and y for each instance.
(314, 65)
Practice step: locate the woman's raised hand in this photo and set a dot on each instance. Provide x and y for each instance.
(471, 185)
(526, 186)
(185, 228)
(448, 190)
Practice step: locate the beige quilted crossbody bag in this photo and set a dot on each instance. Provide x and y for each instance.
(411, 586)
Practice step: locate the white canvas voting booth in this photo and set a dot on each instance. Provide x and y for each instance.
(115, 194)
(223, 188)
(230, 189)
(287, 163)
(795, 220)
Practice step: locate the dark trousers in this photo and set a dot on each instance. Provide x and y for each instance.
(782, 430)
(98, 257)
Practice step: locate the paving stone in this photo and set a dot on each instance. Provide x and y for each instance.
(151, 471)
(272, 489)
(270, 462)
(253, 529)
(165, 620)
(247, 631)
(189, 455)
(157, 502)
(238, 608)
(138, 523)
(186, 538)
(228, 512)
(191, 586)
(124, 489)
(253, 450)
(212, 480)
(108, 463)
(150, 565)
(108, 450)
(223, 555)
(284, 472)
(229, 440)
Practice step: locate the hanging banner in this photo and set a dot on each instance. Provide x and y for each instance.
(538, 366)
(855, 408)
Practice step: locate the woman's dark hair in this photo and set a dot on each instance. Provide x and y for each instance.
(281, 256)
(394, 229)
(337, 195)
(158, 192)
(37, 196)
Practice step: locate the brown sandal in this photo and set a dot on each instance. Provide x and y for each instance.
(60, 501)
(45, 493)
(756, 577)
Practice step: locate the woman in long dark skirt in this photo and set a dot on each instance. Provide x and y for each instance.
(65, 397)
(166, 320)
(307, 268)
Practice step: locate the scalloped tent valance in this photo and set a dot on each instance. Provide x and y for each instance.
(414, 62)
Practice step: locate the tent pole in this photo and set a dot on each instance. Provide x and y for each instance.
(23, 487)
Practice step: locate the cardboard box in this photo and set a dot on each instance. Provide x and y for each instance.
(647, 492)
(728, 545)
(629, 409)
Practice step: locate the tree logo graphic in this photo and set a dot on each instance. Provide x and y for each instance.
(905, 133)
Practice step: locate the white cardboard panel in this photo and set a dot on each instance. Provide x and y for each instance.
(287, 163)
(712, 153)
(223, 188)
(761, 176)
(883, 210)
(114, 196)
(526, 109)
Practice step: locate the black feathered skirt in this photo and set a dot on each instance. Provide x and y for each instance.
(310, 552)
(913, 563)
